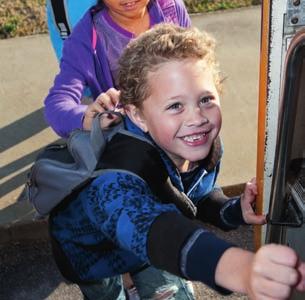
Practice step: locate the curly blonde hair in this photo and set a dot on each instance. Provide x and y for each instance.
(161, 44)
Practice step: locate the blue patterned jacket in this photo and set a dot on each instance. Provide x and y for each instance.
(118, 209)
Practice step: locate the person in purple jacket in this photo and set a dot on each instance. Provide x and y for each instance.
(90, 56)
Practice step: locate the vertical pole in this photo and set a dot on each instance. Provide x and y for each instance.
(263, 93)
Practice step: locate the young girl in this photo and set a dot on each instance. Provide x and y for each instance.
(169, 86)
(91, 53)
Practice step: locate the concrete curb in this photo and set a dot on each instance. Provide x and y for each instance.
(27, 230)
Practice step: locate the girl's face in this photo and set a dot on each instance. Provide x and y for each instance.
(126, 8)
(182, 114)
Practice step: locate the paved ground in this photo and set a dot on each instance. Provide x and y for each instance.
(27, 69)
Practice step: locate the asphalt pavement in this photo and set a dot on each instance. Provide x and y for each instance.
(27, 69)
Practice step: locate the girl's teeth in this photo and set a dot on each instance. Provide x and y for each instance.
(130, 4)
(192, 138)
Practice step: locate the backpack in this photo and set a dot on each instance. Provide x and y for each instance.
(62, 170)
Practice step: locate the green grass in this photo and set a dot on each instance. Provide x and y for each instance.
(22, 17)
(197, 6)
(9, 28)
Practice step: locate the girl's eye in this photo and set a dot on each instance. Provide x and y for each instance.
(175, 106)
(206, 99)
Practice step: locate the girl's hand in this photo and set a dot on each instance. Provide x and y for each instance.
(276, 271)
(247, 203)
(271, 273)
(105, 101)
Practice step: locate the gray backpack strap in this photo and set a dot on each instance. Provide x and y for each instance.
(99, 136)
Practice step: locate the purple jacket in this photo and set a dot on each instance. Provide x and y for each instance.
(81, 67)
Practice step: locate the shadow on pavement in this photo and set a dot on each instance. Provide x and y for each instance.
(29, 272)
(13, 134)
(22, 129)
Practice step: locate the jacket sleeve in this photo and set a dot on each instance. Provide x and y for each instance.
(182, 14)
(184, 248)
(63, 108)
(123, 208)
(220, 210)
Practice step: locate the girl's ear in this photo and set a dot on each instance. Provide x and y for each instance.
(136, 116)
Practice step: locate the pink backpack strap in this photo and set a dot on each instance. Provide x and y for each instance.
(169, 11)
(93, 11)
(94, 37)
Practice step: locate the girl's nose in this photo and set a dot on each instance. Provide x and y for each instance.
(195, 117)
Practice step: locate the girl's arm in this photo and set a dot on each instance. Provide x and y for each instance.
(272, 273)
(122, 206)
(63, 109)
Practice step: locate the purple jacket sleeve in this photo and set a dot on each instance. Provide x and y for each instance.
(183, 16)
(63, 108)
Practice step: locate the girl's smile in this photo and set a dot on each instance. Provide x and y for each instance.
(130, 5)
(126, 8)
(196, 139)
(132, 15)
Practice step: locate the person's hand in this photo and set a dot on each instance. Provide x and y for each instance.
(105, 101)
(275, 272)
(271, 273)
(247, 203)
